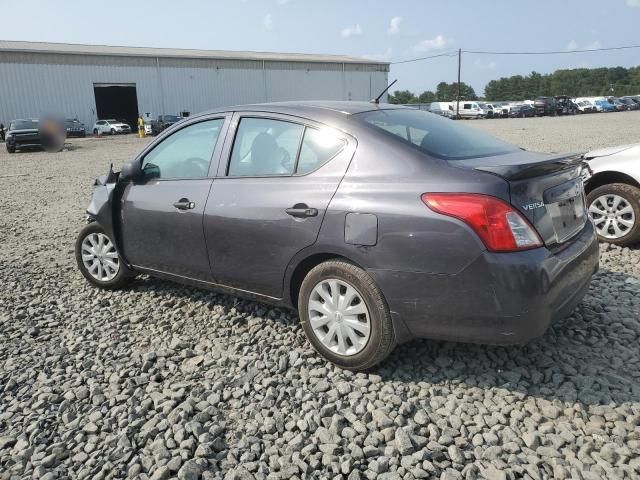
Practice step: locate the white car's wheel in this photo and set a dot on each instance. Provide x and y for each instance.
(615, 212)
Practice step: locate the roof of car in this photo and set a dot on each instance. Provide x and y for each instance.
(336, 107)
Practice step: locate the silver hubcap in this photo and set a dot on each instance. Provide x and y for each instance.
(339, 317)
(612, 215)
(100, 257)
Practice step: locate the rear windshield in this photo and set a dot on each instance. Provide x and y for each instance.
(435, 135)
(24, 124)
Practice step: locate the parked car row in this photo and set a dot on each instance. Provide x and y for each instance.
(541, 106)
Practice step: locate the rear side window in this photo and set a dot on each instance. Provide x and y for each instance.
(435, 135)
(318, 147)
(185, 154)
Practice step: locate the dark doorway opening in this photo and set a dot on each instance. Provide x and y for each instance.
(119, 102)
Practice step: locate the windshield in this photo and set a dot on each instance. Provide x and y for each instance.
(171, 118)
(23, 124)
(435, 135)
(71, 123)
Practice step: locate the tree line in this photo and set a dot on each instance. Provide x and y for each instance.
(445, 92)
(579, 82)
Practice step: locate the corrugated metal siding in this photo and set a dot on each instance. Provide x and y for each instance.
(34, 84)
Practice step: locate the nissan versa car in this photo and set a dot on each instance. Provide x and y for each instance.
(379, 223)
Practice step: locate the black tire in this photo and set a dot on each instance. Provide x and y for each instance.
(11, 149)
(121, 279)
(95, 131)
(381, 338)
(631, 195)
(113, 132)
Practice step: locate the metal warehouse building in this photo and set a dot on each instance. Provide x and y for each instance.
(95, 82)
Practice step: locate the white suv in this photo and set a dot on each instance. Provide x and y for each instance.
(110, 127)
(613, 192)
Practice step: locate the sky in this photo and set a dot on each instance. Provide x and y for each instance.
(391, 30)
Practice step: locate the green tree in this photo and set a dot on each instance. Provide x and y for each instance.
(402, 97)
(578, 82)
(427, 97)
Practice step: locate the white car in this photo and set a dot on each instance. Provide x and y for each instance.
(613, 192)
(110, 127)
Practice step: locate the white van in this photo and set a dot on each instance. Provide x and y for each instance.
(470, 110)
(442, 108)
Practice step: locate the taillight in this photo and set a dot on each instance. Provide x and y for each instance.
(500, 227)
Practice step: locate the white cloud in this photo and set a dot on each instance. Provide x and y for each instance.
(633, 3)
(381, 56)
(491, 65)
(351, 31)
(267, 21)
(573, 45)
(394, 25)
(436, 43)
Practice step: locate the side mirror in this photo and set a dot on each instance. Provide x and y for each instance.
(131, 171)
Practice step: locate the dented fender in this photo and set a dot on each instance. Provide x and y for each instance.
(103, 208)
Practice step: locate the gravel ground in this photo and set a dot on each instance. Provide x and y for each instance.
(161, 380)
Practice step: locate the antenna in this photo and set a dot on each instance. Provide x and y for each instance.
(377, 99)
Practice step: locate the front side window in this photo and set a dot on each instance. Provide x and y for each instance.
(185, 154)
(435, 135)
(265, 147)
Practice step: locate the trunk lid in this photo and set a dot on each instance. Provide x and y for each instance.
(546, 189)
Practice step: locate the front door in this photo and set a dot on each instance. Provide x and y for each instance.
(161, 214)
(268, 202)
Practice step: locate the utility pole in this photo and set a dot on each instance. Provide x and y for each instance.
(458, 95)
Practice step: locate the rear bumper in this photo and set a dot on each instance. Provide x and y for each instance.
(500, 298)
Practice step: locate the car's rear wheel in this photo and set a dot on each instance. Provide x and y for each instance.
(615, 211)
(98, 259)
(345, 315)
(113, 131)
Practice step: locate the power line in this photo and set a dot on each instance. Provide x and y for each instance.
(550, 52)
(553, 52)
(447, 54)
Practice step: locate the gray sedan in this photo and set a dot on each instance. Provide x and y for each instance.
(378, 223)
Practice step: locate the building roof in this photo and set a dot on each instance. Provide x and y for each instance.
(78, 49)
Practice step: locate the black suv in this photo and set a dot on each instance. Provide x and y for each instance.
(545, 106)
(74, 128)
(565, 106)
(23, 134)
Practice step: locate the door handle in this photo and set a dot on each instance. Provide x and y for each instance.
(184, 204)
(300, 210)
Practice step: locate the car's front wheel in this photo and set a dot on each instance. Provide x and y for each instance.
(98, 259)
(11, 149)
(615, 211)
(345, 315)
(113, 131)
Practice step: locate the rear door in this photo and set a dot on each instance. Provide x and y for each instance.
(161, 215)
(270, 197)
